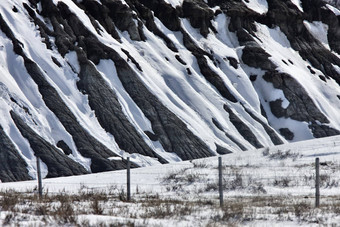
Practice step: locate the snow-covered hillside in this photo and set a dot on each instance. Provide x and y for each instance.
(161, 81)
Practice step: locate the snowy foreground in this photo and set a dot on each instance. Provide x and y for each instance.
(261, 187)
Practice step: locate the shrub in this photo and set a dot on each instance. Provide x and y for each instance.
(200, 164)
(300, 209)
(9, 200)
(96, 207)
(42, 209)
(281, 155)
(282, 182)
(64, 213)
(9, 219)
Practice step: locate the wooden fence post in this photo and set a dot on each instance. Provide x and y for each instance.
(317, 182)
(128, 197)
(39, 178)
(220, 180)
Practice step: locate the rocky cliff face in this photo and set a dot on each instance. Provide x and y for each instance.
(83, 81)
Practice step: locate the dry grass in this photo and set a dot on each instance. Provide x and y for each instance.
(280, 155)
(9, 200)
(65, 209)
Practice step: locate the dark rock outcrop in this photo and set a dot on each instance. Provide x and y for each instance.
(165, 12)
(231, 137)
(58, 163)
(214, 78)
(271, 132)
(206, 71)
(320, 130)
(301, 107)
(290, 21)
(149, 21)
(233, 62)
(288, 135)
(102, 14)
(254, 56)
(86, 144)
(173, 134)
(199, 15)
(12, 165)
(110, 115)
(121, 15)
(62, 145)
(243, 129)
(222, 150)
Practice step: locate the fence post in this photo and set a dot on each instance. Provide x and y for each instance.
(128, 197)
(317, 182)
(220, 182)
(39, 178)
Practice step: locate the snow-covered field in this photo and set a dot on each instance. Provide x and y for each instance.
(273, 185)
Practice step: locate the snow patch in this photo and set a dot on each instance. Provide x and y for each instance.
(259, 6)
(319, 31)
(174, 3)
(298, 4)
(333, 9)
(337, 68)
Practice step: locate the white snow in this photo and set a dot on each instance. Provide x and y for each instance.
(259, 6)
(337, 68)
(174, 3)
(319, 30)
(333, 9)
(298, 4)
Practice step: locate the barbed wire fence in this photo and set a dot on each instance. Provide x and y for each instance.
(214, 180)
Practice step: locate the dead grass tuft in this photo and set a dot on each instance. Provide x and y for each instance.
(9, 200)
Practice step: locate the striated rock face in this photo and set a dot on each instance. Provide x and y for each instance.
(57, 163)
(199, 14)
(87, 82)
(301, 106)
(13, 167)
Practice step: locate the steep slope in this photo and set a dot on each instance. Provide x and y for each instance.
(162, 81)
